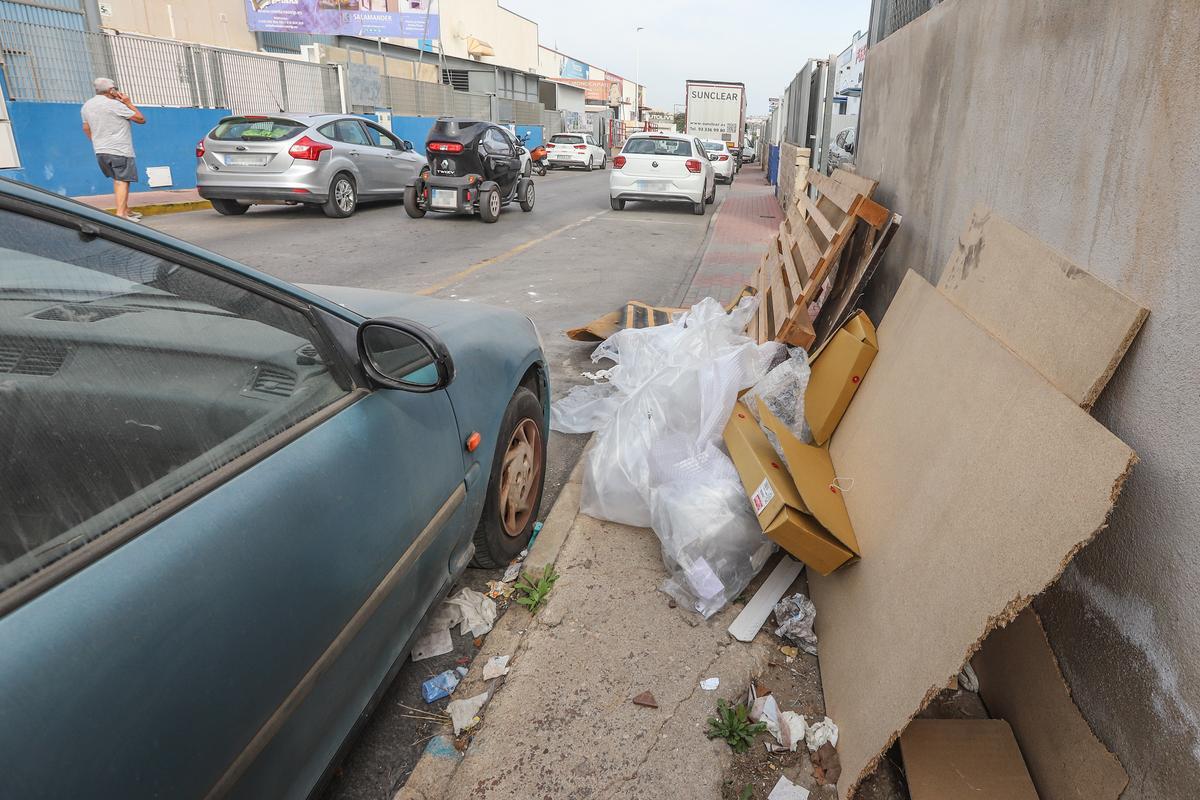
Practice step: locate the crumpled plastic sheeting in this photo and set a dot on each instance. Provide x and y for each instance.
(656, 460)
(782, 391)
(795, 616)
(477, 612)
(821, 732)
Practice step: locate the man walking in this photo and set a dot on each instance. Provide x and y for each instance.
(106, 119)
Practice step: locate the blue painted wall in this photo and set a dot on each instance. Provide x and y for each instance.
(57, 156)
(536, 134)
(415, 129)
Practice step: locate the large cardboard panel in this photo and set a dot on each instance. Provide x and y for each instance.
(956, 759)
(1020, 681)
(1072, 327)
(975, 481)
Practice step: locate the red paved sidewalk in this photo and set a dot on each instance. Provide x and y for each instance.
(748, 218)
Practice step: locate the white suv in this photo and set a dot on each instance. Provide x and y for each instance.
(662, 166)
(575, 150)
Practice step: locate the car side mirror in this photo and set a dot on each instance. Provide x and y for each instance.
(401, 354)
(406, 144)
(713, 157)
(521, 151)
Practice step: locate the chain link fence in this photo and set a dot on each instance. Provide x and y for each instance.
(49, 64)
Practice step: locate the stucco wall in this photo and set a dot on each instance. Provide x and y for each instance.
(1079, 122)
(221, 23)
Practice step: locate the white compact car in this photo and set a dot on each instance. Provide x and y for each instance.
(662, 166)
(722, 160)
(575, 150)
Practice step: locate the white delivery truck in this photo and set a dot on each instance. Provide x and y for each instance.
(717, 110)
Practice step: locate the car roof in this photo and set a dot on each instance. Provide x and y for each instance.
(657, 135)
(306, 117)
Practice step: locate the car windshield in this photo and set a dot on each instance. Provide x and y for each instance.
(252, 129)
(714, 147)
(649, 146)
(567, 139)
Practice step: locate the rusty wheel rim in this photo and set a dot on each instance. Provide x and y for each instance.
(520, 477)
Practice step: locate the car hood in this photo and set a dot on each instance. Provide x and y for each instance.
(429, 311)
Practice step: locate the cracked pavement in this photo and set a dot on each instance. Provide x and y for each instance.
(563, 724)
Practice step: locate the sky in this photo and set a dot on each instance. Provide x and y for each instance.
(762, 43)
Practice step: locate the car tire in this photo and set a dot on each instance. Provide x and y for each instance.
(616, 203)
(508, 516)
(411, 204)
(229, 208)
(699, 208)
(589, 166)
(489, 205)
(712, 197)
(604, 162)
(343, 197)
(528, 197)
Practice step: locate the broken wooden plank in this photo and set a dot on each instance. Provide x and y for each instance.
(748, 623)
(825, 226)
(842, 196)
(975, 482)
(851, 298)
(996, 270)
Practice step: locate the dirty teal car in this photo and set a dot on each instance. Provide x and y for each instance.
(226, 502)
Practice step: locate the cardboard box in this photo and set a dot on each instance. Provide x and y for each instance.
(948, 759)
(802, 511)
(837, 371)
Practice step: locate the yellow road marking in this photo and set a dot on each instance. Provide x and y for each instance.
(506, 255)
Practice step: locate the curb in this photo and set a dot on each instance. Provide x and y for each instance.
(158, 209)
(435, 768)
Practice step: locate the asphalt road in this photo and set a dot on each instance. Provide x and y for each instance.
(565, 263)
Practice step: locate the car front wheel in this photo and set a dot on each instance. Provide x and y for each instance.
(514, 493)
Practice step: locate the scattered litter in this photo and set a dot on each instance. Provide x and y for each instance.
(967, 679)
(598, 376)
(656, 458)
(795, 616)
(645, 699)
(786, 790)
(710, 684)
(750, 621)
(510, 574)
(820, 733)
(499, 590)
(495, 667)
(787, 727)
(537, 528)
(464, 713)
(477, 610)
(827, 766)
(442, 685)
(434, 641)
(793, 728)
(789, 652)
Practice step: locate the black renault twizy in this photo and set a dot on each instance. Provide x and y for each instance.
(474, 167)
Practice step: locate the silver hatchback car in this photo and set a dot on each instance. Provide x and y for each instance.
(335, 161)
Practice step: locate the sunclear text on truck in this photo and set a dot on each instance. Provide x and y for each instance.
(717, 110)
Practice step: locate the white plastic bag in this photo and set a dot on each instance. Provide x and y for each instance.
(656, 458)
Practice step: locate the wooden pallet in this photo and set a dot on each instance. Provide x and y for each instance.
(792, 273)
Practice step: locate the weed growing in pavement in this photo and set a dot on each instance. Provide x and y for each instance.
(732, 723)
(531, 593)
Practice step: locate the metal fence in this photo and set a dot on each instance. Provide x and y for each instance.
(56, 64)
(52, 64)
(892, 15)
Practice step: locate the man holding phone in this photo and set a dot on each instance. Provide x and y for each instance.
(106, 119)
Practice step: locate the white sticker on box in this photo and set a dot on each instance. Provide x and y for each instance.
(762, 496)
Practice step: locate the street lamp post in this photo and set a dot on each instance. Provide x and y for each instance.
(637, 77)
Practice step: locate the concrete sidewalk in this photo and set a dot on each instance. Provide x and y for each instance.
(562, 724)
(749, 216)
(159, 201)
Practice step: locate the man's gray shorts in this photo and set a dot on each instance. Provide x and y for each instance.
(120, 168)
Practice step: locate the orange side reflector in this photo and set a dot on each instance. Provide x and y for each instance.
(473, 441)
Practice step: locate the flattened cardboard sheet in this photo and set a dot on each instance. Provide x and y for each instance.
(956, 759)
(1020, 681)
(975, 482)
(1072, 327)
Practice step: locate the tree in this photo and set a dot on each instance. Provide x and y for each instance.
(680, 119)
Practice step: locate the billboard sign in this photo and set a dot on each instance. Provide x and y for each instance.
(404, 19)
(606, 92)
(573, 69)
